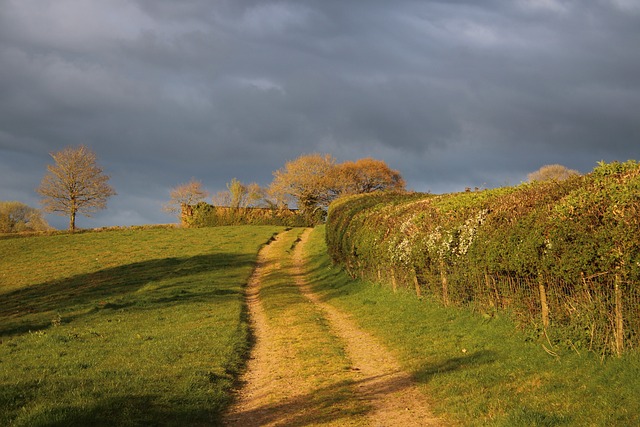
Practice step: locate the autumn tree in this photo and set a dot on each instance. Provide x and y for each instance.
(16, 217)
(309, 181)
(552, 173)
(184, 196)
(366, 176)
(75, 184)
(315, 180)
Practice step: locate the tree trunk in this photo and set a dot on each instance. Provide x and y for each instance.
(492, 292)
(72, 221)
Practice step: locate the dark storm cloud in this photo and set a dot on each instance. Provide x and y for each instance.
(454, 94)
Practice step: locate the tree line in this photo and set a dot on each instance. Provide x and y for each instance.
(309, 184)
(75, 184)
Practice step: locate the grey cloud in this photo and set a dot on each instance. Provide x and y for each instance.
(454, 94)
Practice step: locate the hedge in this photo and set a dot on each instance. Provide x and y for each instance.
(562, 256)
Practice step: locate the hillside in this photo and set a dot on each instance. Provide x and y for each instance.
(128, 327)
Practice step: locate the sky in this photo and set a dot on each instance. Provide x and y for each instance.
(452, 94)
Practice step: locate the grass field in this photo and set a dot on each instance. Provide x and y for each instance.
(147, 327)
(128, 327)
(481, 370)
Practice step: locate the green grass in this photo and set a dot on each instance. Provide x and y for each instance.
(128, 327)
(146, 327)
(481, 370)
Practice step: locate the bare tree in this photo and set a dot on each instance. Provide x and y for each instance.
(184, 196)
(75, 184)
(552, 173)
(239, 195)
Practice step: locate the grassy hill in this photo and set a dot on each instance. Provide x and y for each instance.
(128, 327)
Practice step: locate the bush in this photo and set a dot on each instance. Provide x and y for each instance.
(16, 217)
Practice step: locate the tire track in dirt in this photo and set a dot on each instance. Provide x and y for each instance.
(273, 396)
(264, 381)
(395, 399)
(283, 385)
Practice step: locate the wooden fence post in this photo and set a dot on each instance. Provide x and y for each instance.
(492, 291)
(416, 283)
(543, 302)
(445, 283)
(394, 283)
(619, 319)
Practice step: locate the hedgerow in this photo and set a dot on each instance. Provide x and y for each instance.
(561, 256)
(206, 215)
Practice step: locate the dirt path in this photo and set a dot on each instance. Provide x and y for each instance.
(272, 396)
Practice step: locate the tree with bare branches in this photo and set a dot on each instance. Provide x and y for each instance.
(184, 196)
(239, 195)
(75, 184)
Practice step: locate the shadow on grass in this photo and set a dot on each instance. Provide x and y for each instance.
(483, 357)
(32, 308)
(329, 281)
(137, 410)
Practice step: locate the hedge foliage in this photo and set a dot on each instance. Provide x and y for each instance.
(206, 215)
(576, 241)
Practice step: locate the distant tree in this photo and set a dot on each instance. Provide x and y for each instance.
(309, 181)
(313, 181)
(238, 192)
(366, 176)
(552, 173)
(239, 195)
(16, 217)
(255, 195)
(75, 184)
(221, 198)
(184, 196)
